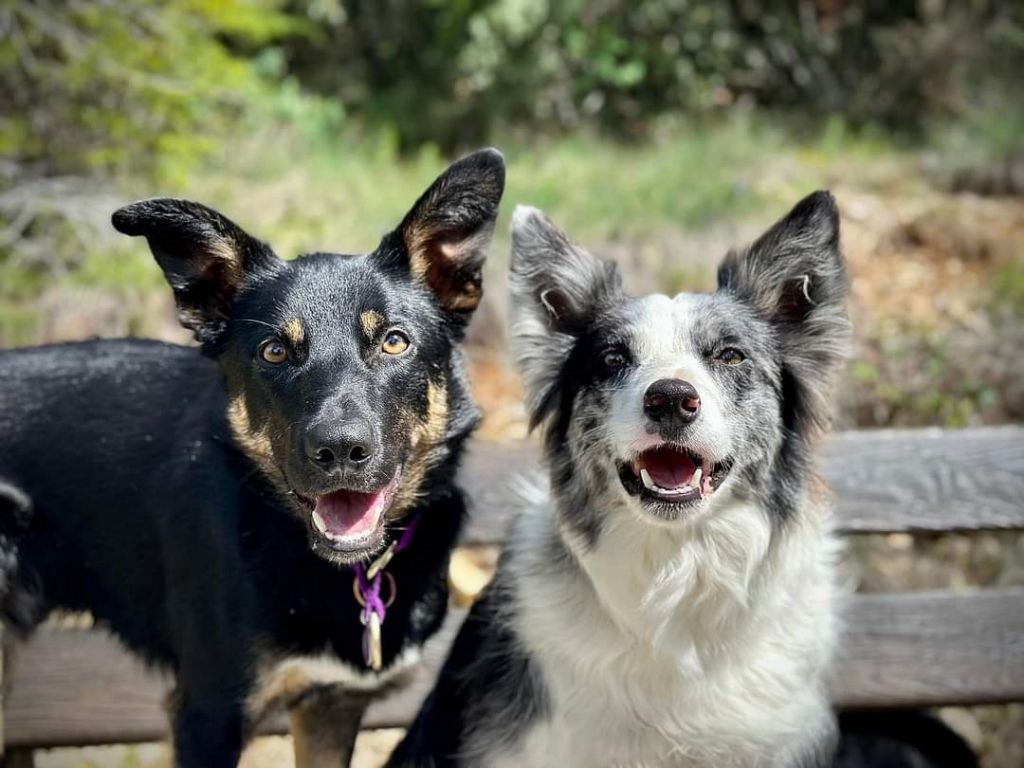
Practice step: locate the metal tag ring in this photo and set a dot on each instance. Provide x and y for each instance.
(389, 580)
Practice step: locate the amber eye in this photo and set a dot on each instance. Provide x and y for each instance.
(395, 343)
(613, 360)
(274, 352)
(731, 356)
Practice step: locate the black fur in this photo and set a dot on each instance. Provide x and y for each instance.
(164, 490)
(900, 740)
(487, 683)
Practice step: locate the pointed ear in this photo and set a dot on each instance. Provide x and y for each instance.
(206, 258)
(794, 277)
(556, 288)
(794, 267)
(445, 237)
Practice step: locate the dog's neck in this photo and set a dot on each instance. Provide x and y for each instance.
(675, 626)
(655, 581)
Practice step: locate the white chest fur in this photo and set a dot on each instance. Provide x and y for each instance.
(672, 647)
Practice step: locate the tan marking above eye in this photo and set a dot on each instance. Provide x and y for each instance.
(395, 342)
(273, 352)
(295, 331)
(370, 321)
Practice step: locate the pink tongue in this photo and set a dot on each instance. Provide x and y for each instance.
(668, 468)
(350, 513)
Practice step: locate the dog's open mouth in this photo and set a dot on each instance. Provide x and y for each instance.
(671, 474)
(349, 520)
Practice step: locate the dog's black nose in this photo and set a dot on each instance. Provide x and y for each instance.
(333, 445)
(671, 401)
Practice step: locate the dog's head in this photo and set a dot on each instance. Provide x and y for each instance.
(662, 405)
(344, 377)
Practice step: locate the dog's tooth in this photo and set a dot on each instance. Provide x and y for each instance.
(645, 476)
(318, 521)
(695, 480)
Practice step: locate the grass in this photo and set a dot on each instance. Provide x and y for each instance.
(304, 189)
(1008, 288)
(306, 193)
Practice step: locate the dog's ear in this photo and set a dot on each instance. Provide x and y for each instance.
(794, 268)
(556, 287)
(205, 257)
(794, 277)
(444, 238)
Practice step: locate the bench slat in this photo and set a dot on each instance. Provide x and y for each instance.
(883, 480)
(932, 648)
(77, 687)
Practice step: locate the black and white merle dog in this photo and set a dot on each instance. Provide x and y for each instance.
(669, 602)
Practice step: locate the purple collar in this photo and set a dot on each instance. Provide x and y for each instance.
(368, 588)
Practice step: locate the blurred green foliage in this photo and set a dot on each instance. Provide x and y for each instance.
(1008, 289)
(141, 87)
(152, 86)
(631, 122)
(452, 72)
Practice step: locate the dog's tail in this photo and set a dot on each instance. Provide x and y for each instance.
(900, 740)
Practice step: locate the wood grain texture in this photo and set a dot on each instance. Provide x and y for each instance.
(76, 687)
(932, 648)
(883, 480)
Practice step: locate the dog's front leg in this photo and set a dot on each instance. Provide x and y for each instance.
(324, 725)
(207, 736)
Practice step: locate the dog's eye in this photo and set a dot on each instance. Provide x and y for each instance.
(274, 352)
(395, 343)
(613, 360)
(731, 356)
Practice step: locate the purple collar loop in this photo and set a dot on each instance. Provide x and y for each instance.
(369, 589)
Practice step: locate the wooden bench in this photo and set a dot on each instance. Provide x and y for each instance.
(77, 687)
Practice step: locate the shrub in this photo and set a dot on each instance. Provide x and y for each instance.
(139, 87)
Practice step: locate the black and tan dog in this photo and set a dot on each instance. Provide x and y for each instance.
(217, 511)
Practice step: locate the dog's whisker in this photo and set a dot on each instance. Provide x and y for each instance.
(256, 322)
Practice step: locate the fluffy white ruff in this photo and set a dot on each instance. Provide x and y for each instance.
(699, 645)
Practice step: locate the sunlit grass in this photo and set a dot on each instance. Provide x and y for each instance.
(343, 193)
(306, 185)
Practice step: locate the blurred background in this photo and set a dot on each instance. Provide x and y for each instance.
(658, 132)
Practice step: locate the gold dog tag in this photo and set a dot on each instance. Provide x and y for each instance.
(375, 655)
(381, 562)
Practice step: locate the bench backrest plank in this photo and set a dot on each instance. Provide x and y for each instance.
(78, 687)
(924, 649)
(884, 481)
